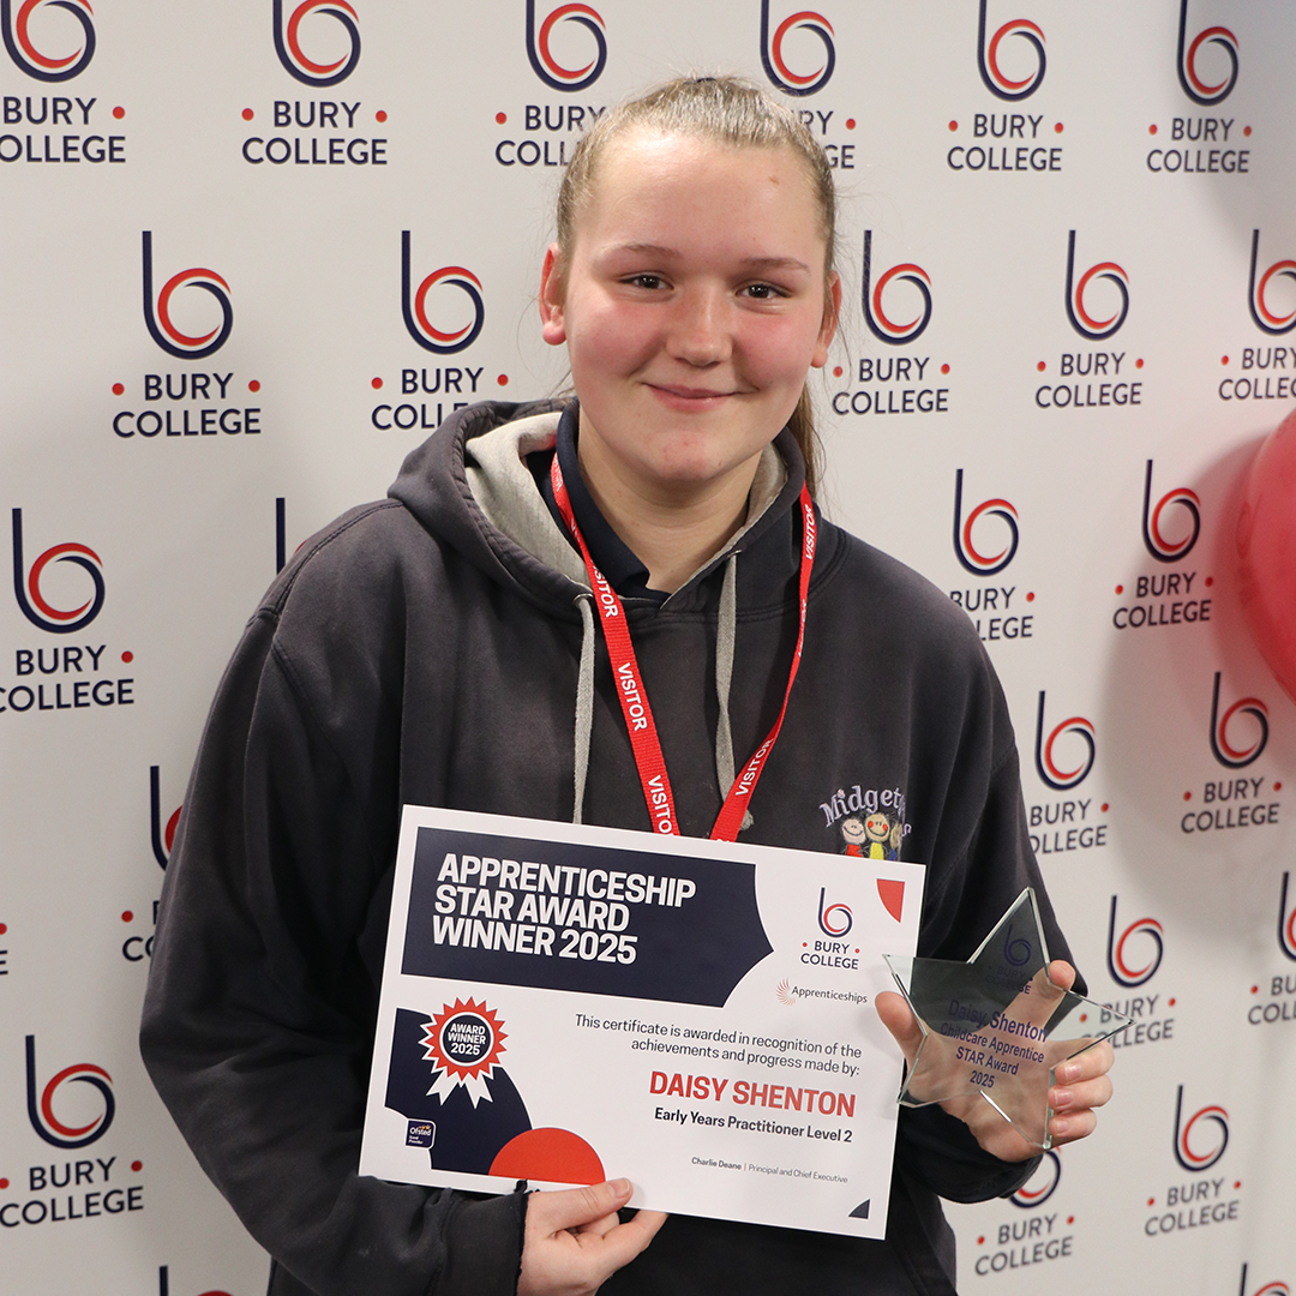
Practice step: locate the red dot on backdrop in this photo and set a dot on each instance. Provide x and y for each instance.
(1237, 1183)
(850, 123)
(119, 112)
(953, 125)
(1120, 589)
(118, 389)
(380, 116)
(944, 368)
(376, 384)
(127, 916)
(1030, 597)
(1187, 796)
(1070, 1219)
(981, 1241)
(1172, 1003)
(1277, 788)
(837, 371)
(254, 386)
(805, 945)
(1105, 807)
(1151, 1201)
(1266, 550)
(1246, 130)
(4, 927)
(128, 656)
(502, 380)
(1152, 129)
(248, 114)
(1210, 580)
(1255, 989)
(137, 1166)
(501, 118)
(1057, 128)
(1223, 359)
(1041, 366)
(1138, 364)
(4, 1183)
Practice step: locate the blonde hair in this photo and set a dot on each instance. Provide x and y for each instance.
(731, 111)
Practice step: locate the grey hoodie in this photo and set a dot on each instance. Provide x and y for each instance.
(427, 649)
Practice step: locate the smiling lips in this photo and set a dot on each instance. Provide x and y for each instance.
(686, 396)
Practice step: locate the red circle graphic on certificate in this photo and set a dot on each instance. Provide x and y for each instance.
(553, 1155)
(465, 1041)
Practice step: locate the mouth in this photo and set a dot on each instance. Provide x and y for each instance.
(697, 398)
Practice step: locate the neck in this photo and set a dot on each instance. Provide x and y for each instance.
(672, 528)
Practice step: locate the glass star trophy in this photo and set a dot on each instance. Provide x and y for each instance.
(996, 1025)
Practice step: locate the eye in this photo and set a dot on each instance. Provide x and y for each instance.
(649, 282)
(763, 292)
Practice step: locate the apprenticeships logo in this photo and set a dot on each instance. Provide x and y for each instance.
(414, 306)
(1162, 549)
(1221, 747)
(1286, 923)
(1045, 762)
(29, 587)
(997, 81)
(1041, 1185)
(37, 62)
(834, 919)
(1117, 962)
(971, 558)
(163, 835)
(1197, 89)
(880, 323)
(1267, 320)
(1077, 312)
(287, 40)
(556, 75)
(157, 313)
(41, 1111)
(776, 65)
(1194, 1148)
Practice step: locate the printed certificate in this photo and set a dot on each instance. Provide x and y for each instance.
(564, 1004)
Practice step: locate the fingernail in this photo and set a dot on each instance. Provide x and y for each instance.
(621, 1186)
(1067, 1072)
(1059, 1127)
(1062, 1099)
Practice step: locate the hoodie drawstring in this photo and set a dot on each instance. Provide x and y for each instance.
(584, 701)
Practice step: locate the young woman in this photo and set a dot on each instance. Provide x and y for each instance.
(440, 648)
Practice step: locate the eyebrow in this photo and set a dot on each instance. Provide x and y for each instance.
(753, 263)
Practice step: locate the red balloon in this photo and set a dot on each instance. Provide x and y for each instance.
(1266, 545)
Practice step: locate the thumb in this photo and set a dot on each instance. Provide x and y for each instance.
(554, 1211)
(898, 1018)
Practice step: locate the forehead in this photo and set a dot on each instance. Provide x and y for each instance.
(687, 185)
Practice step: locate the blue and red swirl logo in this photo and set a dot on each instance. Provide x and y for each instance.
(1147, 935)
(1223, 741)
(414, 305)
(1194, 84)
(1195, 1147)
(835, 920)
(164, 1286)
(777, 67)
(1041, 1185)
(37, 62)
(1154, 539)
(1286, 923)
(545, 63)
(965, 548)
(1269, 1289)
(997, 81)
(157, 312)
(880, 324)
(1047, 760)
(37, 603)
(1078, 311)
(1266, 318)
(162, 834)
(40, 1110)
(288, 43)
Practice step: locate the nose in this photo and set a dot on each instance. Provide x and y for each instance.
(699, 334)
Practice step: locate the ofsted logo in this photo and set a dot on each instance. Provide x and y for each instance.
(775, 64)
(1186, 61)
(543, 62)
(414, 308)
(23, 50)
(996, 81)
(157, 314)
(1163, 550)
(880, 324)
(1229, 756)
(1046, 766)
(1081, 320)
(965, 550)
(41, 1113)
(35, 606)
(288, 43)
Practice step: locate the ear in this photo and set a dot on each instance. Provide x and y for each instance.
(553, 328)
(828, 329)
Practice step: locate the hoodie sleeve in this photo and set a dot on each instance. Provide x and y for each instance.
(262, 994)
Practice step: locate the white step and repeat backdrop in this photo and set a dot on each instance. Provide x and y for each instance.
(254, 250)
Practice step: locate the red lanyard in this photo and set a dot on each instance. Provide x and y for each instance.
(634, 697)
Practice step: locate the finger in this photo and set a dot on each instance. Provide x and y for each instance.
(1061, 974)
(624, 1242)
(552, 1212)
(1087, 1065)
(1074, 1098)
(898, 1018)
(1072, 1126)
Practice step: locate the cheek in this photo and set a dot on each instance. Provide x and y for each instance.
(607, 342)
